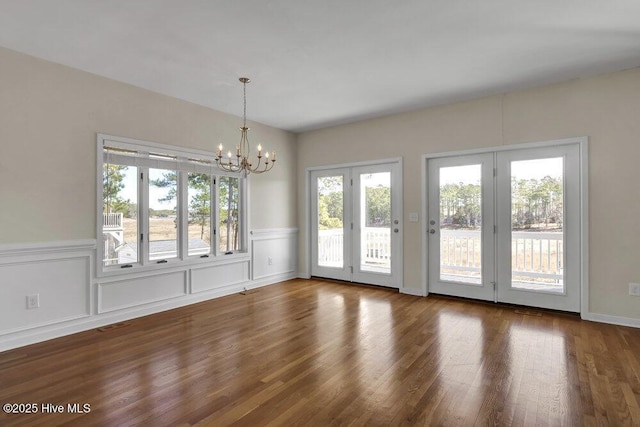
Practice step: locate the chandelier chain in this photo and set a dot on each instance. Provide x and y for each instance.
(244, 122)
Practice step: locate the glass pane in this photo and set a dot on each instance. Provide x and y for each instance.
(536, 231)
(461, 224)
(228, 213)
(163, 223)
(119, 214)
(199, 210)
(375, 222)
(330, 221)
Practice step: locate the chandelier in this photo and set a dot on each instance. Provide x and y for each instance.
(242, 162)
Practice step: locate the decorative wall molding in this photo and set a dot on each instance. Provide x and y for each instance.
(219, 276)
(58, 273)
(274, 252)
(73, 299)
(132, 292)
(39, 248)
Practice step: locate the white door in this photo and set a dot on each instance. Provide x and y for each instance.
(539, 227)
(525, 249)
(461, 226)
(356, 224)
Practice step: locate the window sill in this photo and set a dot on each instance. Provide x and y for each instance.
(172, 265)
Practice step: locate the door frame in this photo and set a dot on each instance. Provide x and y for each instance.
(583, 144)
(308, 241)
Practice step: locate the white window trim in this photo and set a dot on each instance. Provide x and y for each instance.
(182, 163)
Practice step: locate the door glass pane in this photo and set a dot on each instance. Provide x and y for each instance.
(330, 221)
(120, 214)
(199, 210)
(537, 240)
(163, 223)
(461, 224)
(375, 222)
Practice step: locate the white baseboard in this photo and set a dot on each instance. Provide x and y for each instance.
(266, 281)
(61, 329)
(613, 320)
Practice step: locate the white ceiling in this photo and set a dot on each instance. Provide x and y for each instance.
(325, 62)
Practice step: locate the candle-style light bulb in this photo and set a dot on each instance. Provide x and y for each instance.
(266, 156)
(274, 156)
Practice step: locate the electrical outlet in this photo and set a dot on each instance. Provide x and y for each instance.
(634, 289)
(33, 301)
(270, 261)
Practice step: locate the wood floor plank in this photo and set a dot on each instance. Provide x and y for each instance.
(318, 352)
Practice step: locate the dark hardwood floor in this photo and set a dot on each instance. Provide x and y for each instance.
(312, 352)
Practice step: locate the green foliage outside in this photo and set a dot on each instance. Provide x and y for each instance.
(199, 200)
(228, 211)
(200, 204)
(112, 184)
(535, 204)
(378, 206)
(330, 204)
(460, 204)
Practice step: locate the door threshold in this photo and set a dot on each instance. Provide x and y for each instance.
(518, 309)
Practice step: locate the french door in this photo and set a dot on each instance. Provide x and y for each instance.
(356, 224)
(505, 226)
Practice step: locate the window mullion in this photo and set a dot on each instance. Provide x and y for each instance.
(183, 215)
(143, 216)
(243, 214)
(215, 221)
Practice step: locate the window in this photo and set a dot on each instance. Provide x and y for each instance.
(199, 210)
(119, 213)
(165, 205)
(228, 214)
(162, 214)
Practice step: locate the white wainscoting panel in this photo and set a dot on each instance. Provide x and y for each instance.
(58, 272)
(274, 252)
(218, 276)
(142, 290)
(74, 299)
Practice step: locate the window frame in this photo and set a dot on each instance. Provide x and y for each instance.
(145, 155)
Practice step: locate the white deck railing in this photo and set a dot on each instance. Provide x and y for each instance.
(376, 249)
(535, 255)
(112, 221)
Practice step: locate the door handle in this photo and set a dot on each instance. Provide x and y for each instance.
(432, 231)
(395, 230)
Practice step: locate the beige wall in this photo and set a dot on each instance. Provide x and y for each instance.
(49, 117)
(604, 108)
